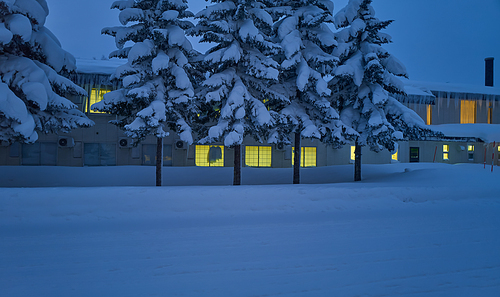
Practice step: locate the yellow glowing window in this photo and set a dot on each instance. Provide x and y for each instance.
(353, 150)
(395, 156)
(490, 113)
(470, 151)
(307, 156)
(467, 111)
(96, 95)
(258, 156)
(446, 151)
(209, 155)
(429, 115)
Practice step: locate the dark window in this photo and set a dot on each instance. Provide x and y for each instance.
(149, 155)
(414, 154)
(99, 154)
(39, 154)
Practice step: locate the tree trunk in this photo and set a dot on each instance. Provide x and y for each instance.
(296, 159)
(237, 165)
(159, 160)
(357, 162)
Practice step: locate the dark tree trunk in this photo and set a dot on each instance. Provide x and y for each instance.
(357, 162)
(237, 165)
(296, 159)
(159, 160)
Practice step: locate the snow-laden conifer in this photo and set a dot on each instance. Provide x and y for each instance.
(156, 89)
(366, 80)
(305, 61)
(32, 88)
(240, 74)
(240, 71)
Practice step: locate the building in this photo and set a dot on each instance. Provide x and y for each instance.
(468, 115)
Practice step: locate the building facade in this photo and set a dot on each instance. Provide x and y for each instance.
(105, 145)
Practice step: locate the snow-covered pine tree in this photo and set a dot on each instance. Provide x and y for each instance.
(364, 81)
(240, 73)
(156, 89)
(306, 60)
(32, 89)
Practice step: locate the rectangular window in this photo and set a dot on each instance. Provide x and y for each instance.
(446, 151)
(353, 155)
(394, 157)
(414, 154)
(307, 156)
(209, 155)
(490, 113)
(99, 154)
(468, 111)
(429, 115)
(470, 152)
(149, 154)
(96, 95)
(39, 154)
(258, 156)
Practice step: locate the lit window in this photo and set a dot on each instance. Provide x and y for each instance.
(490, 113)
(258, 156)
(96, 95)
(209, 155)
(353, 155)
(446, 151)
(394, 156)
(468, 112)
(429, 115)
(470, 152)
(307, 156)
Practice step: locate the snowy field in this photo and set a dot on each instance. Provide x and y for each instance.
(429, 230)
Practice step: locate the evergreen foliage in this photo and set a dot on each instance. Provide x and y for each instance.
(32, 85)
(366, 79)
(157, 89)
(306, 59)
(238, 90)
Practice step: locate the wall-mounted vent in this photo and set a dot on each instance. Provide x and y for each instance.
(66, 142)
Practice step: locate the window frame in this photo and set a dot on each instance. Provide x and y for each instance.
(446, 152)
(306, 151)
(201, 160)
(263, 158)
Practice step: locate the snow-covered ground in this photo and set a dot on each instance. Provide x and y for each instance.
(406, 230)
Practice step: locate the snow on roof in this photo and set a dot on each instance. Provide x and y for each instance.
(417, 91)
(486, 132)
(464, 91)
(89, 66)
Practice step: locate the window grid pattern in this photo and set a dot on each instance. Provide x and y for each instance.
(446, 151)
(96, 95)
(258, 156)
(468, 112)
(202, 157)
(307, 156)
